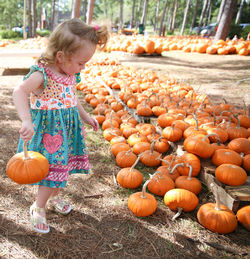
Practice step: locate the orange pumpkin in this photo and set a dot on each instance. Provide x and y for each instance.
(27, 167)
(243, 216)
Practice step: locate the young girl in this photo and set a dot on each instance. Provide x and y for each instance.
(52, 124)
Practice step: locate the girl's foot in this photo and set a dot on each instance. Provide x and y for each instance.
(60, 205)
(38, 220)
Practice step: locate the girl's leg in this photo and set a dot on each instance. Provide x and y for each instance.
(43, 195)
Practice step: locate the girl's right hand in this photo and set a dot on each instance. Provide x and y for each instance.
(27, 130)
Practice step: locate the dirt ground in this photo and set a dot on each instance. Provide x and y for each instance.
(101, 225)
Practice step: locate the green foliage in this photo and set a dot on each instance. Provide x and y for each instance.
(43, 33)
(9, 34)
(235, 29)
(11, 13)
(245, 32)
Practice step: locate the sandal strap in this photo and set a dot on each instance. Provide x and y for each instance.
(38, 218)
(61, 204)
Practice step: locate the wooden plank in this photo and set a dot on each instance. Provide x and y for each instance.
(225, 198)
(240, 192)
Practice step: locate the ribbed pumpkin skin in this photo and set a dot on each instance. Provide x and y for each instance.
(181, 198)
(231, 174)
(160, 184)
(142, 207)
(192, 160)
(129, 179)
(246, 162)
(27, 171)
(220, 221)
(240, 145)
(192, 185)
(243, 216)
(226, 156)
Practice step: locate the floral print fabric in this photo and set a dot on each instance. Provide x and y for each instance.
(59, 133)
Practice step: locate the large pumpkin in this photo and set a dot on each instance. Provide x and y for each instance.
(142, 204)
(216, 217)
(232, 175)
(27, 167)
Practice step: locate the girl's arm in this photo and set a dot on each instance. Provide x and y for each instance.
(85, 117)
(20, 98)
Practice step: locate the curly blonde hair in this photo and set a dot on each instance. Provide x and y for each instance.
(69, 36)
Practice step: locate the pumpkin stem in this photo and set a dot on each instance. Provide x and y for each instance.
(25, 151)
(143, 196)
(238, 120)
(135, 163)
(210, 135)
(217, 200)
(190, 172)
(110, 119)
(196, 122)
(177, 214)
(172, 170)
(152, 147)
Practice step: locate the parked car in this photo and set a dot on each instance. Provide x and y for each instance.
(208, 30)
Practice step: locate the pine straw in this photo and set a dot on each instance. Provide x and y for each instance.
(99, 226)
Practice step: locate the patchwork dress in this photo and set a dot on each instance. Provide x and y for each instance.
(59, 132)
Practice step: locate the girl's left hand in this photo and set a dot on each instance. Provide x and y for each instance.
(94, 123)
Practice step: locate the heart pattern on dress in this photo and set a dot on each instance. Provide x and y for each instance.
(52, 143)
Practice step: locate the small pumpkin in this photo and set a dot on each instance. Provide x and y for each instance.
(246, 162)
(142, 204)
(181, 200)
(198, 147)
(243, 216)
(230, 174)
(226, 156)
(27, 167)
(130, 177)
(126, 158)
(217, 217)
(151, 157)
(188, 182)
(160, 184)
(118, 147)
(240, 145)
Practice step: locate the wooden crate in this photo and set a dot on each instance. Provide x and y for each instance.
(230, 196)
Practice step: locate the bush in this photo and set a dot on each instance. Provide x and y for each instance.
(245, 32)
(9, 34)
(43, 33)
(234, 29)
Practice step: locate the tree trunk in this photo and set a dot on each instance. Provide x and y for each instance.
(138, 13)
(237, 20)
(225, 20)
(202, 15)
(24, 19)
(91, 4)
(144, 13)
(209, 5)
(30, 19)
(174, 15)
(162, 17)
(34, 18)
(53, 14)
(40, 13)
(76, 9)
(156, 15)
(194, 15)
(121, 14)
(84, 9)
(132, 21)
(222, 5)
(185, 17)
(170, 16)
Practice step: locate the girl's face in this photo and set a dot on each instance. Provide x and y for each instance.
(77, 61)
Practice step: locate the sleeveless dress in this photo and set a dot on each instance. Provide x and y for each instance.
(59, 132)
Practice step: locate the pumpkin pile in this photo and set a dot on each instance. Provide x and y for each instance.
(219, 133)
(138, 44)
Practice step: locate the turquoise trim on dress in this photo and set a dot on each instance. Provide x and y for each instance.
(35, 68)
(78, 78)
